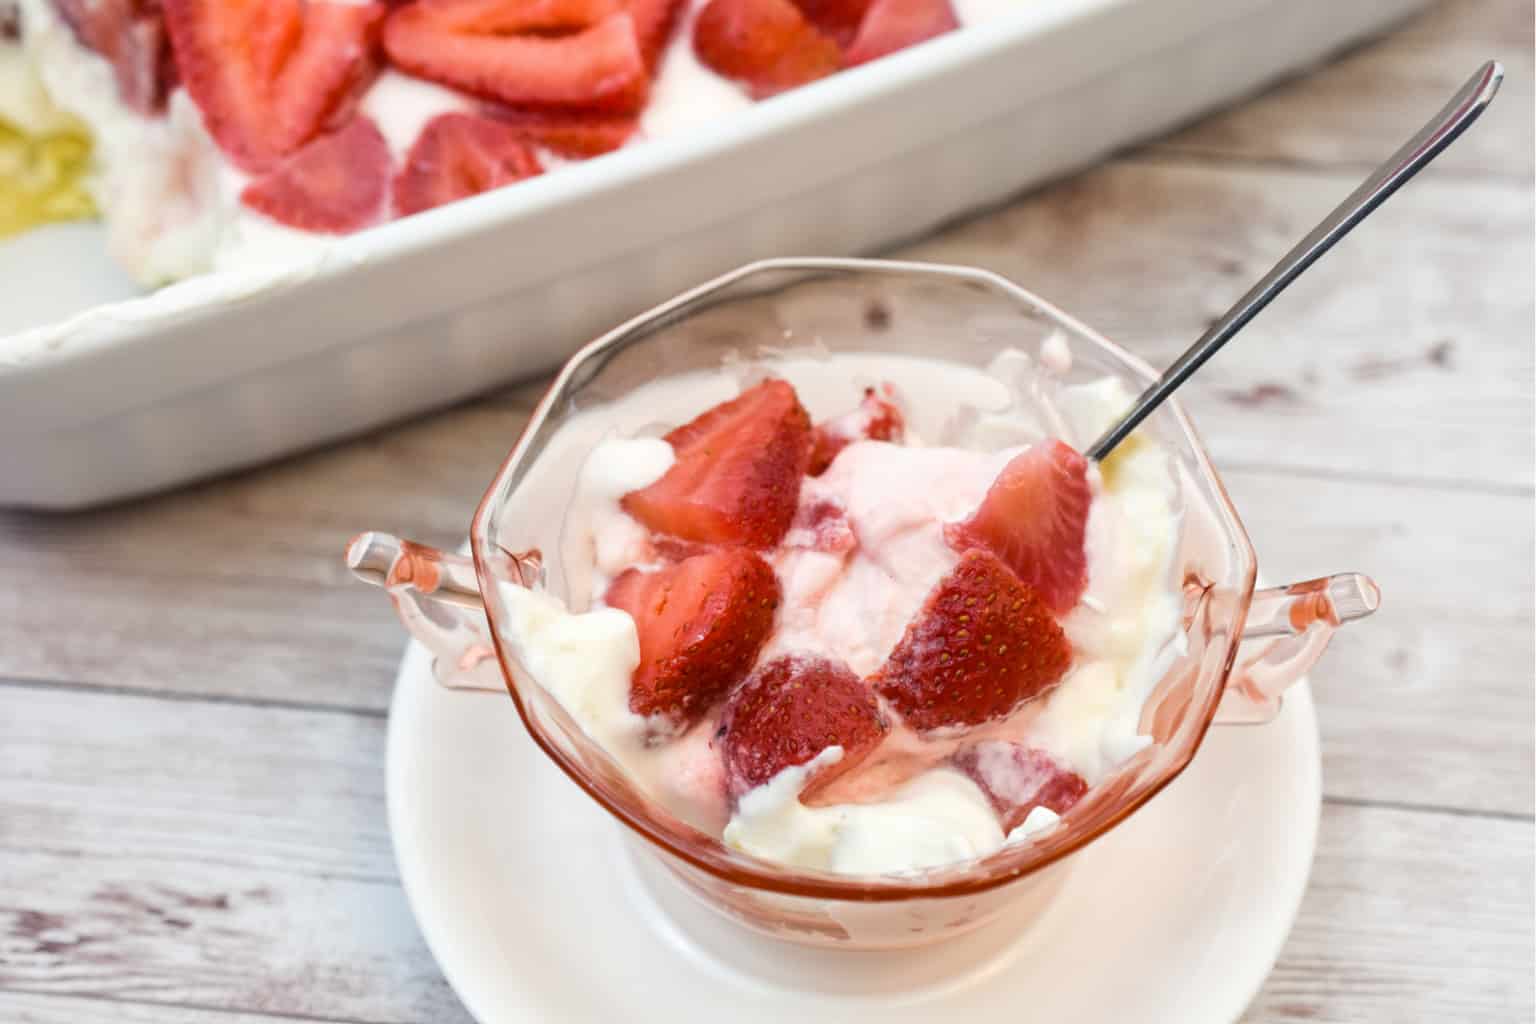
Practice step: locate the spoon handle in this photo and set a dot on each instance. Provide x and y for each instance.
(1434, 137)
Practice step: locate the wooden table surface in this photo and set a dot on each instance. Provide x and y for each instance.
(193, 691)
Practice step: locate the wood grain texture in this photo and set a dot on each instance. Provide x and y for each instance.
(38, 1008)
(209, 856)
(1356, 108)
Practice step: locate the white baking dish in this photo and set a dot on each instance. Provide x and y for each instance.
(223, 371)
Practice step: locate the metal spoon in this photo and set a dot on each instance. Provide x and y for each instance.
(1415, 154)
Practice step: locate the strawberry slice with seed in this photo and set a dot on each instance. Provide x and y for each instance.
(597, 68)
(572, 133)
(878, 418)
(789, 711)
(1035, 518)
(131, 35)
(892, 25)
(701, 624)
(1017, 779)
(982, 644)
(269, 75)
(335, 184)
(458, 155)
(766, 45)
(737, 475)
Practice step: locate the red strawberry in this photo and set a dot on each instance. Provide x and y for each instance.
(767, 45)
(597, 68)
(893, 25)
(737, 475)
(458, 155)
(335, 184)
(269, 75)
(572, 133)
(131, 35)
(982, 644)
(654, 22)
(877, 419)
(789, 711)
(838, 19)
(821, 525)
(1018, 779)
(701, 624)
(1035, 518)
(496, 17)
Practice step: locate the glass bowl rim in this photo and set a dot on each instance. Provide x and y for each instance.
(740, 869)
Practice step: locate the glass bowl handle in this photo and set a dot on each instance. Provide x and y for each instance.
(437, 596)
(1300, 619)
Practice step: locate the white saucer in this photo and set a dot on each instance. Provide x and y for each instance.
(536, 909)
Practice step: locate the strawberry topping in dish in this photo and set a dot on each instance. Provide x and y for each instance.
(277, 84)
(893, 663)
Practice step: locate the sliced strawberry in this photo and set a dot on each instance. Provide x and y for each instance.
(767, 45)
(131, 35)
(458, 155)
(838, 19)
(1018, 779)
(1035, 518)
(789, 711)
(737, 475)
(572, 133)
(598, 68)
(821, 525)
(701, 624)
(654, 22)
(877, 418)
(496, 17)
(893, 25)
(982, 644)
(335, 184)
(269, 75)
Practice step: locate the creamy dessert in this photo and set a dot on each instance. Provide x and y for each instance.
(864, 614)
(237, 133)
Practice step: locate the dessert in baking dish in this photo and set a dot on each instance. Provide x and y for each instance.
(232, 133)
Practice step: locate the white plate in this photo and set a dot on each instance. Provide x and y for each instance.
(231, 369)
(536, 909)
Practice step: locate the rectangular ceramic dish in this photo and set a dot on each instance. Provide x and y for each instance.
(104, 395)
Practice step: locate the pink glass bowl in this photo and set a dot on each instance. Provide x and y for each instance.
(454, 606)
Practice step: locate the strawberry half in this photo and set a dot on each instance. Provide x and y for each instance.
(335, 184)
(789, 711)
(767, 45)
(701, 624)
(892, 25)
(1035, 518)
(572, 133)
(131, 35)
(458, 155)
(737, 475)
(982, 644)
(597, 68)
(1018, 779)
(269, 75)
(876, 419)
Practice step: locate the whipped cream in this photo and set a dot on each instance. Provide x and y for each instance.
(1124, 631)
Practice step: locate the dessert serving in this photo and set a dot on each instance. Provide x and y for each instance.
(232, 133)
(846, 644)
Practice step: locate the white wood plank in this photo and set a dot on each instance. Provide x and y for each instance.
(1405, 353)
(38, 1008)
(1356, 108)
(1409, 917)
(1430, 701)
